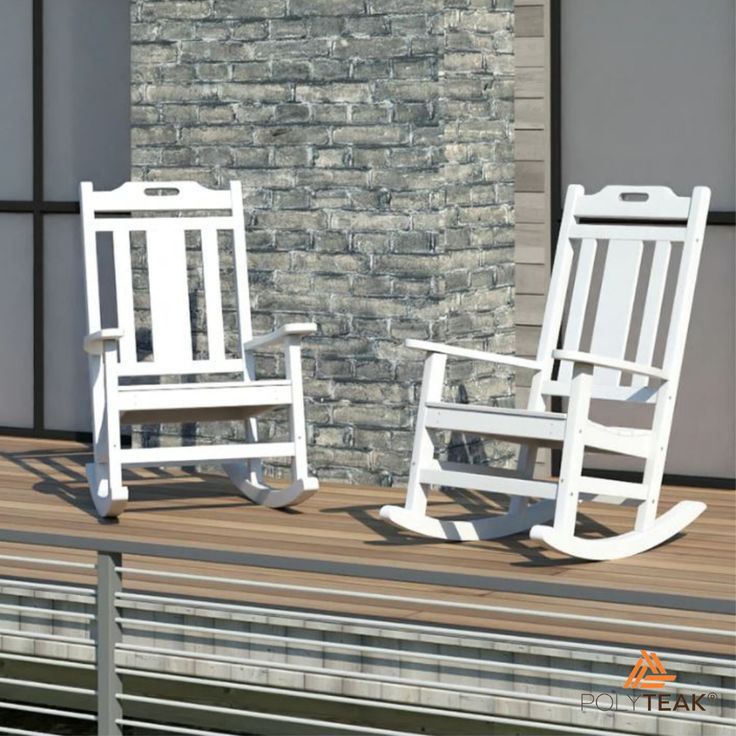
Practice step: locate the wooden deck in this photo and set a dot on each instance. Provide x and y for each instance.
(338, 541)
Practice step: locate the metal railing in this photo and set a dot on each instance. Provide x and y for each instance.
(112, 619)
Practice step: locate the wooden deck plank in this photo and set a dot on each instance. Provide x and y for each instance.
(42, 489)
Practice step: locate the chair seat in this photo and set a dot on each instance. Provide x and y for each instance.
(216, 401)
(497, 421)
(546, 427)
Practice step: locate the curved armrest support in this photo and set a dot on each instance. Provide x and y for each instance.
(626, 366)
(295, 329)
(436, 347)
(95, 342)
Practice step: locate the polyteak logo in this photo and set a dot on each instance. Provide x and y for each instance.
(648, 672)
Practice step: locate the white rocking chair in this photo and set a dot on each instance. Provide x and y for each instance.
(114, 358)
(596, 337)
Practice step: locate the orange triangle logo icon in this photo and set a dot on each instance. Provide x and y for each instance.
(648, 672)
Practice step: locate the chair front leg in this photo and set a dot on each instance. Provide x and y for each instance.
(571, 466)
(423, 450)
(254, 465)
(297, 422)
(105, 475)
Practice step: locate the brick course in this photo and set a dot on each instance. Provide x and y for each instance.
(374, 140)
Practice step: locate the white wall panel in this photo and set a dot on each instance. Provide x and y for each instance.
(16, 320)
(16, 100)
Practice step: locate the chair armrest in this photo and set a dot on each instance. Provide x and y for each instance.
(626, 366)
(436, 347)
(93, 343)
(299, 329)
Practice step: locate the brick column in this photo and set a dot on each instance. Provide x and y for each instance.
(374, 142)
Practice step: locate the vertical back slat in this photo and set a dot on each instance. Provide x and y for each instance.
(124, 295)
(240, 263)
(578, 303)
(555, 307)
(615, 305)
(652, 307)
(169, 292)
(213, 295)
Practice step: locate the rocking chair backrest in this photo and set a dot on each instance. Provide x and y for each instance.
(622, 287)
(163, 217)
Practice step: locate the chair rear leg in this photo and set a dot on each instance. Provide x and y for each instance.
(248, 476)
(525, 467)
(255, 465)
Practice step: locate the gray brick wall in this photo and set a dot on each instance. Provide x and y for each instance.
(374, 140)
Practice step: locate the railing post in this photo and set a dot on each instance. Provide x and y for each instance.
(109, 634)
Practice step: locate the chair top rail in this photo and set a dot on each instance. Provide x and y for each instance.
(126, 225)
(634, 203)
(626, 233)
(160, 196)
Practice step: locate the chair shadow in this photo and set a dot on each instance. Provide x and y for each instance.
(474, 503)
(62, 474)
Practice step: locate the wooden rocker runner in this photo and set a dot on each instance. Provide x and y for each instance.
(128, 390)
(636, 242)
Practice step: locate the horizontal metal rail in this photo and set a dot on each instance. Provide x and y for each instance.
(52, 587)
(170, 729)
(415, 627)
(370, 571)
(366, 648)
(78, 715)
(431, 603)
(371, 703)
(111, 601)
(45, 561)
(360, 729)
(52, 612)
(72, 663)
(332, 725)
(349, 674)
(46, 686)
(45, 637)
(22, 732)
